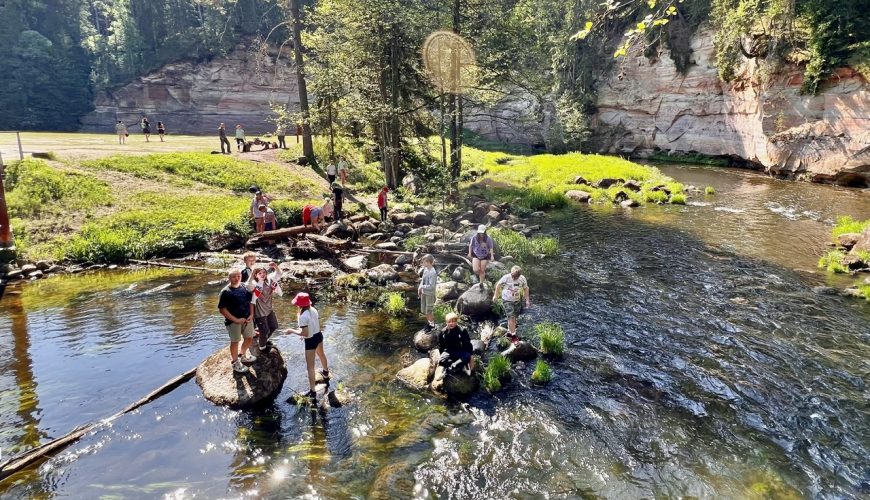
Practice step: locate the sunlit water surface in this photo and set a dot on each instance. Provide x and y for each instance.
(699, 363)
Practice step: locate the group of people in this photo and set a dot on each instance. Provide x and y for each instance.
(246, 304)
(144, 124)
(241, 138)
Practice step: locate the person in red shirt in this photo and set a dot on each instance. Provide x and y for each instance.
(382, 202)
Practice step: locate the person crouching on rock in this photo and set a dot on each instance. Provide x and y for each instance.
(312, 216)
(514, 289)
(455, 347)
(234, 303)
(308, 320)
(264, 286)
(481, 250)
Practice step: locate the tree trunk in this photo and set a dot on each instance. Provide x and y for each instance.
(331, 132)
(395, 131)
(307, 146)
(455, 103)
(5, 231)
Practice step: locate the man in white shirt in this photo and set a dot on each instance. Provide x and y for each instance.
(514, 289)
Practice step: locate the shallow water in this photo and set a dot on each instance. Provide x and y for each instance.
(699, 363)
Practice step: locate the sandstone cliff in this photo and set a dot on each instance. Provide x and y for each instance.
(762, 117)
(646, 107)
(194, 97)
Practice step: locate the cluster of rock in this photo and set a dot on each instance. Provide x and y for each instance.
(856, 247)
(36, 270)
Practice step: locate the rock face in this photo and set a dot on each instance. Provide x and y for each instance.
(194, 97)
(763, 120)
(476, 302)
(760, 118)
(222, 386)
(416, 376)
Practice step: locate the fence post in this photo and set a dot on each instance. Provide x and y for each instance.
(6, 248)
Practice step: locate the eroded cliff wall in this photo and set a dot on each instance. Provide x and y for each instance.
(194, 98)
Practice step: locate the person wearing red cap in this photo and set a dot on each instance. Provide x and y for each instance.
(382, 202)
(308, 320)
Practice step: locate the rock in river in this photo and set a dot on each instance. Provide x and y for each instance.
(577, 195)
(426, 341)
(383, 273)
(476, 302)
(355, 264)
(521, 351)
(221, 385)
(416, 376)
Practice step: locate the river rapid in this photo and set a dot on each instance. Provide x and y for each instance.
(699, 363)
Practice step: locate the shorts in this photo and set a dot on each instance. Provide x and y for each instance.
(266, 325)
(330, 177)
(427, 304)
(238, 331)
(512, 308)
(269, 226)
(313, 341)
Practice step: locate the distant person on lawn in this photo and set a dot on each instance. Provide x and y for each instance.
(240, 137)
(222, 132)
(146, 128)
(234, 304)
(282, 135)
(161, 130)
(121, 130)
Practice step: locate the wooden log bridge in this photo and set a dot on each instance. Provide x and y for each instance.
(278, 234)
(23, 460)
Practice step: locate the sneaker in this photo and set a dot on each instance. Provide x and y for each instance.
(239, 367)
(248, 358)
(325, 374)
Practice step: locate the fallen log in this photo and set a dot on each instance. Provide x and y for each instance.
(27, 458)
(327, 243)
(278, 234)
(174, 266)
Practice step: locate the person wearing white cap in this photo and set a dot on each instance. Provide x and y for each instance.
(481, 250)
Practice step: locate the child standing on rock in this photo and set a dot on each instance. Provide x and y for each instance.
(234, 304)
(264, 285)
(426, 290)
(308, 320)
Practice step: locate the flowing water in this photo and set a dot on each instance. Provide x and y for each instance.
(699, 363)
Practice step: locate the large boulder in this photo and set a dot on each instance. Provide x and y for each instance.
(416, 376)
(476, 302)
(383, 273)
(862, 244)
(426, 341)
(449, 290)
(341, 230)
(579, 196)
(458, 385)
(355, 264)
(366, 227)
(460, 274)
(222, 386)
(606, 183)
(477, 346)
(521, 351)
(389, 245)
(402, 218)
(421, 219)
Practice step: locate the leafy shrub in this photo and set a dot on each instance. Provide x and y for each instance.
(846, 224)
(442, 310)
(366, 178)
(35, 188)
(833, 262)
(709, 190)
(551, 337)
(288, 213)
(393, 303)
(678, 199)
(542, 373)
(413, 242)
(497, 370)
(519, 247)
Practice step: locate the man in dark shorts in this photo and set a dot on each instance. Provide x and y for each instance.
(222, 132)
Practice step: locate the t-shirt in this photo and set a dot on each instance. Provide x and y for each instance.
(382, 199)
(513, 288)
(255, 206)
(263, 291)
(240, 133)
(235, 300)
(279, 130)
(429, 281)
(121, 128)
(311, 319)
(269, 216)
(342, 165)
(479, 249)
(330, 169)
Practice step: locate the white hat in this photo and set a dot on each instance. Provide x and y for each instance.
(481, 228)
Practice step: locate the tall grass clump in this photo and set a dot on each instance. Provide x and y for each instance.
(413, 242)
(164, 225)
(518, 246)
(678, 199)
(213, 170)
(542, 373)
(497, 370)
(659, 197)
(551, 337)
(393, 303)
(35, 188)
(709, 190)
(833, 262)
(846, 224)
(864, 291)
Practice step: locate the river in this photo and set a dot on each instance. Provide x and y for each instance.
(699, 363)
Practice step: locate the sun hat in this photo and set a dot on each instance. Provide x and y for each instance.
(481, 228)
(301, 299)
